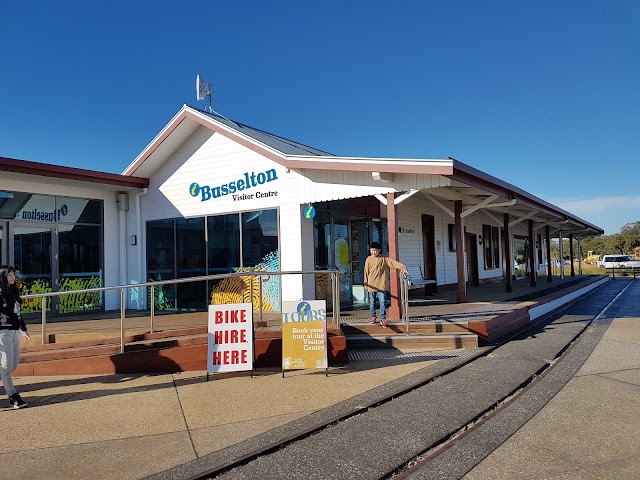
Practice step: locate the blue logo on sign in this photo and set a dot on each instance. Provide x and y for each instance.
(194, 189)
(309, 212)
(303, 308)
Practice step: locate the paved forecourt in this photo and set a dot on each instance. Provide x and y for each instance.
(169, 425)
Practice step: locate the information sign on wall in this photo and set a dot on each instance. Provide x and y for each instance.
(230, 338)
(304, 335)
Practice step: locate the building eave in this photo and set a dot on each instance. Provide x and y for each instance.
(29, 168)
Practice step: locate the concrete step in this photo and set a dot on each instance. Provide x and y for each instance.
(431, 341)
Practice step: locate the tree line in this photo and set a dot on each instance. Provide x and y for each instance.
(626, 242)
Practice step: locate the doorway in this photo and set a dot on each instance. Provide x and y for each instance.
(473, 277)
(32, 257)
(363, 232)
(342, 243)
(429, 249)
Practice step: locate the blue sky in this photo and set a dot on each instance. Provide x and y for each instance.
(544, 95)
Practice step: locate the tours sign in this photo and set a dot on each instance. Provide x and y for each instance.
(230, 338)
(304, 335)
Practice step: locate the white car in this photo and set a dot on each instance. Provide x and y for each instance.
(619, 261)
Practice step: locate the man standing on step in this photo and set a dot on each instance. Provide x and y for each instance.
(376, 280)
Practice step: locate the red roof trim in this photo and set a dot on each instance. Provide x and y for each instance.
(26, 167)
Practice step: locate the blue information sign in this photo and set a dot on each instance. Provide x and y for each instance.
(309, 212)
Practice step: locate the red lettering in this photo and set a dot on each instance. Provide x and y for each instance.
(217, 360)
(229, 336)
(232, 357)
(230, 316)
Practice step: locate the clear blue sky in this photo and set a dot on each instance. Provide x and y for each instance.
(544, 95)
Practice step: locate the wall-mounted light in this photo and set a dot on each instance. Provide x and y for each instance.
(479, 239)
(133, 240)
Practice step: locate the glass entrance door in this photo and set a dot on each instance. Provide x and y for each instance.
(363, 232)
(33, 261)
(341, 260)
(331, 239)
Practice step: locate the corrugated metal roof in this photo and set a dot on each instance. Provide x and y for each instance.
(284, 145)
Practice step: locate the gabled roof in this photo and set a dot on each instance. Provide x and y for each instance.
(284, 145)
(281, 150)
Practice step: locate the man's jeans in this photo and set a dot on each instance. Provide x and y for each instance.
(381, 300)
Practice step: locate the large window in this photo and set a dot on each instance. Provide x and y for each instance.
(160, 260)
(491, 245)
(184, 248)
(191, 261)
(79, 248)
(57, 246)
(452, 237)
(224, 243)
(259, 237)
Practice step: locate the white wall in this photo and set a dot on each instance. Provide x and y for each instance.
(410, 244)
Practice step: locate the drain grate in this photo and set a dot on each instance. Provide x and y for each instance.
(421, 355)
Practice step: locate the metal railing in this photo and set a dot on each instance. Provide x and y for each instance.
(335, 294)
(405, 283)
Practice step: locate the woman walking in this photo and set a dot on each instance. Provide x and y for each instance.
(12, 327)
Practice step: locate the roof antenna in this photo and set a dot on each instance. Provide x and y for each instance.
(203, 92)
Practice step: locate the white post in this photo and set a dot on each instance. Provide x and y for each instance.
(579, 257)
(561, 256)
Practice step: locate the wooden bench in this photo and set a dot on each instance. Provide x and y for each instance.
(623, 270)
(422, 282)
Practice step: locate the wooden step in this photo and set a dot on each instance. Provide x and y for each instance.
(421, 328)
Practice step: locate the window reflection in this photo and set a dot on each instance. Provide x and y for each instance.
(224, 243)
(179, 249)
(259, 236)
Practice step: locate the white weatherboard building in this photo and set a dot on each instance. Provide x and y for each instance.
(210, 196)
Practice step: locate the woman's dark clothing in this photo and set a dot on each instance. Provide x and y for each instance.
(10, 318)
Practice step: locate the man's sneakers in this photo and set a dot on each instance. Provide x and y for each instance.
(373, 320)
(16, 401)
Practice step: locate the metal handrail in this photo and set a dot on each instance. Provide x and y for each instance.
(334, 282)
(405, 283)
